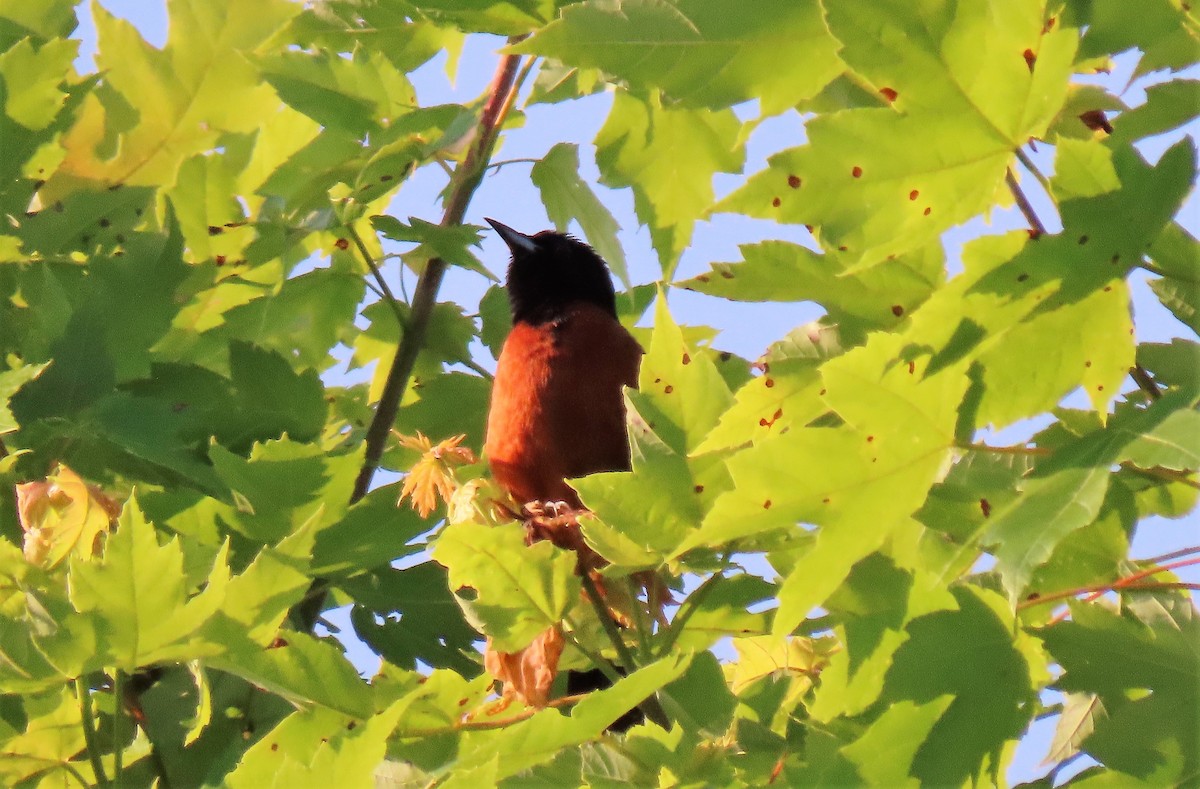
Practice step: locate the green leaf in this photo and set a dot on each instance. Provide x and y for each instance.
(680, 391)
(881, 182)
(700, 700)
(136, 594)
(318, 748)
(31, 79)
(878, 298)
(1083, 168)
(356, 94)
(434, 241)
(1181, 299)
(283, 484)
(1176, 363)
(1168, 106)
(875, 604)
(668, 155)
(856, 483)
(1065, 493)
(1150, 736)
(168, 104)
(969, 654)
(784, 395)
(884, 754)
(373, 532)
(664, 488)
(510, 591)
(303, 669)
(51, 19)
(697, 53)
(567, 196)
(409, 615)
(1164, 31)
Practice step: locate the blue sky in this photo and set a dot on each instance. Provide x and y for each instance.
(508, 195)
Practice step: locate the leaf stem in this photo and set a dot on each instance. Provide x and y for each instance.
(1166, 557)
(1023, 203)
(118, 680)
(505, 162)
(1028, 164)
(606, 621)
(1128, 583)
(88, 721)
(466, 179)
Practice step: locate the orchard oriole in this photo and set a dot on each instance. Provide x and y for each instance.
(557, 409)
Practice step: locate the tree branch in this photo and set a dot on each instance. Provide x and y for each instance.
(464, 182)
(1141, 376)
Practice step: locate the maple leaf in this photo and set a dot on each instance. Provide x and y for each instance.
(431, 479)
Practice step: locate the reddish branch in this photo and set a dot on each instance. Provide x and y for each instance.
(464, 182)
(1129, 583)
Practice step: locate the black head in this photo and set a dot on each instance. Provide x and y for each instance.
(551, 271)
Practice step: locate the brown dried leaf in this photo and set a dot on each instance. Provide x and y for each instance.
(62, 513)
(528, 674)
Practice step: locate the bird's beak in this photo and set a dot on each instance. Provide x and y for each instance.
(517, 242)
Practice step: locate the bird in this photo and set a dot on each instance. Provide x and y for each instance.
(557, 410)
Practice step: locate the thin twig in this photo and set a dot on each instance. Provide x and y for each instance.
(504, 162)
(1104, 589)
(1023, 203)
(1166, 557)
(1141, 376)
(84, 695)
(525, 69)
(387, 295)
(476, 368)
(1024, 159)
